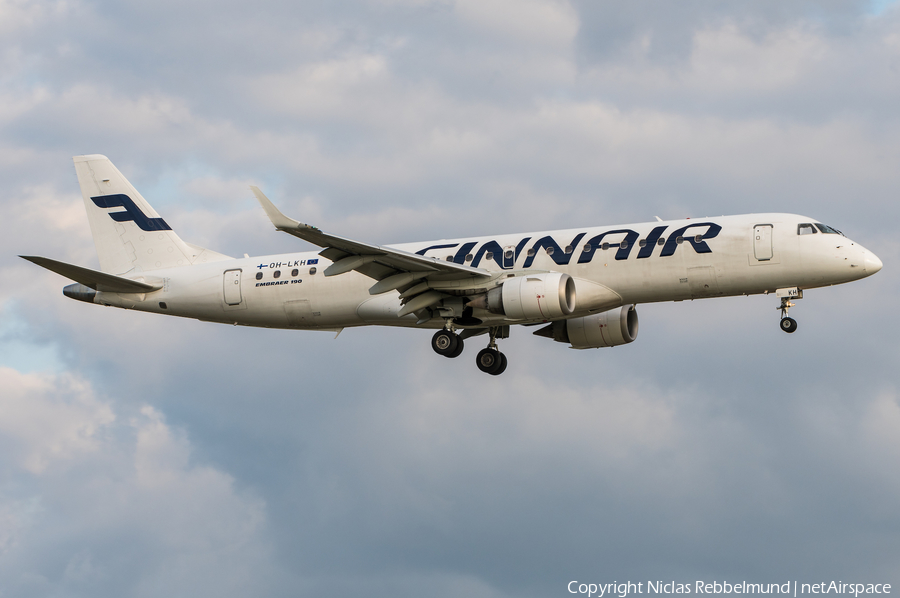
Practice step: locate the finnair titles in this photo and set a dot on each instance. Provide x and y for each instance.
(582, 284)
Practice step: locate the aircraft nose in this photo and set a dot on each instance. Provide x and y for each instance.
(872, 264)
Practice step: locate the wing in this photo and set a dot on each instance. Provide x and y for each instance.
(391, 268)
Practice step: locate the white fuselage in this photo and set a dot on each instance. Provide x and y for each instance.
(612, 266)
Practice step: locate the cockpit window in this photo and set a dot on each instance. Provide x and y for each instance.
(806, 229)
(828, 230)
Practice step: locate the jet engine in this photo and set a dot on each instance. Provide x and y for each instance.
(530, 297)
(608, 329)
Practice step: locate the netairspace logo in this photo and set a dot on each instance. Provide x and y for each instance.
(791, 588)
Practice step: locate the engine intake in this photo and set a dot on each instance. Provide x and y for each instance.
(608, 329)
(531, 297)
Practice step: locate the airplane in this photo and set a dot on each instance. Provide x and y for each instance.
(581, 284)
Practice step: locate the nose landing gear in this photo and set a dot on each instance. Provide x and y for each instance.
(788, 324)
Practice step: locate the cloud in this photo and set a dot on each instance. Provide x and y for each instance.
(18, 15)
(725, 61)
(538, 22)
(319, 90)
(108, 502)
(48, 418)
(145, 455)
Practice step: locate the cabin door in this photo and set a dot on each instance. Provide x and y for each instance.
(232, 287)
(762, 242)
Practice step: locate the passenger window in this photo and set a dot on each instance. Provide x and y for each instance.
(550, 250)
(469, 257)
(661, 242)
(488, 256)
(642, 242)
(276, 274)
(259, 276)
(605, 246)
(312, 270)
(508, 255)
(568, 249)
(806, 229)
(295, 272)
(531, 252)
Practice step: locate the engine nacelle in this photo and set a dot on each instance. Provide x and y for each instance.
(531, 297)
(608, 329)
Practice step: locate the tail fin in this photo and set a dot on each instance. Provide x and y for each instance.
(128, 233)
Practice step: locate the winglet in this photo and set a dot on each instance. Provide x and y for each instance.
(280, 221)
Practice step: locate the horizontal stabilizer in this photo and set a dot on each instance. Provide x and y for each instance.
(99, 281)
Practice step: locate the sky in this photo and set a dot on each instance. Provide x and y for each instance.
(149, 456)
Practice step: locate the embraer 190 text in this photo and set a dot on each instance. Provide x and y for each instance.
(582, 283)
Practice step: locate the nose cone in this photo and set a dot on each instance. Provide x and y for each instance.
(872, 264)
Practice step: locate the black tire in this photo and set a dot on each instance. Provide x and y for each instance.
(503, 364)
(489, 360)
(460, 345)
(789, 325)
(444, 342)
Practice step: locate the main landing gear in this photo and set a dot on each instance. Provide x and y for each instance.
(489, 360)
(447, 343)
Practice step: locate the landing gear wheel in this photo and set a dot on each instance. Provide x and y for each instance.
(445, 343)
(788, 324)
(503, 364)
(490, 361)
(459, 347)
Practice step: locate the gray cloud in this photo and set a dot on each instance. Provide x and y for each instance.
(147, 456)
(93, 504)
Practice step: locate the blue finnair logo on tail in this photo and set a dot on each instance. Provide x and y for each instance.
(131, 213)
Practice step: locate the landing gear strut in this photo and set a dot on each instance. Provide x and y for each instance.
(787, 324)
(490, 360)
